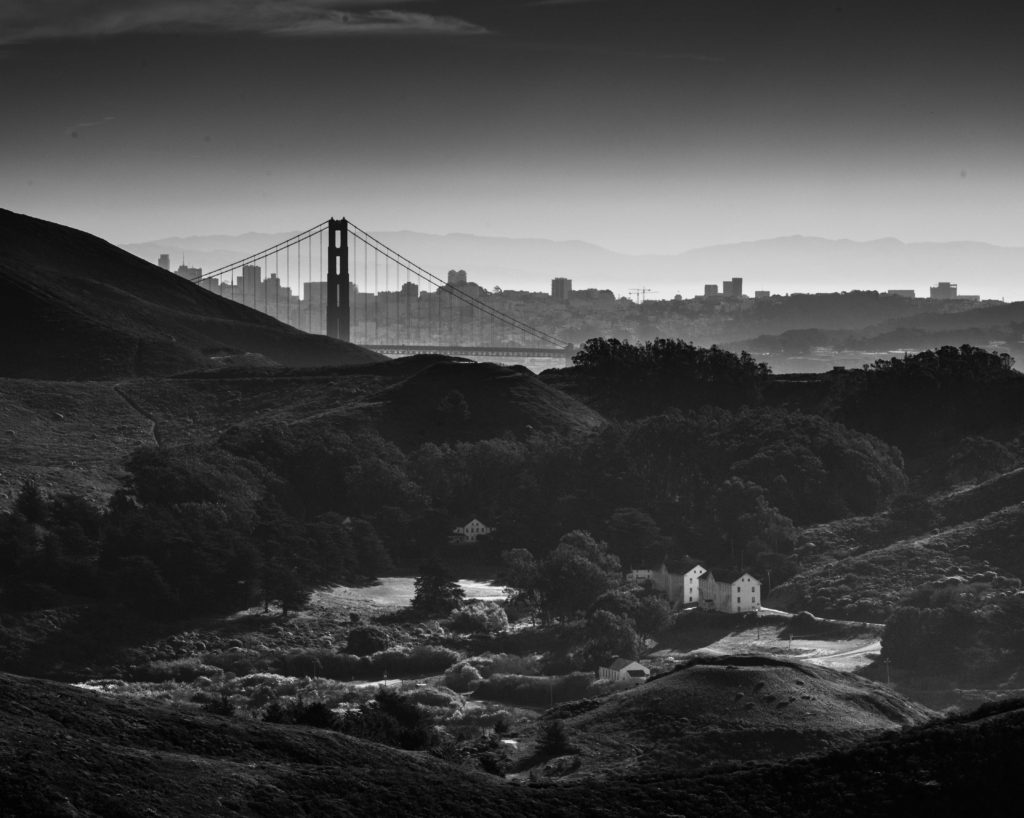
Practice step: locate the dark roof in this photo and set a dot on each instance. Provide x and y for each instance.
(680, 566)
(619, 664)
(730, 575)
(636, 673)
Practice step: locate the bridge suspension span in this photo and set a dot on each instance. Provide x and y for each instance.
(338, 280)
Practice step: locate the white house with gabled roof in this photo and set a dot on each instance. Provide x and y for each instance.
(730, 591)
(471, 531)
(679, 581)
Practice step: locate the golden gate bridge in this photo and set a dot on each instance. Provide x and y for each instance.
(336, 279)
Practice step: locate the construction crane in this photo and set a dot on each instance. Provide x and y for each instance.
(640, 293)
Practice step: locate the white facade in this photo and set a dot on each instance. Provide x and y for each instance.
(729, 595)
(625, 670)
(681, 588)
(471, 531)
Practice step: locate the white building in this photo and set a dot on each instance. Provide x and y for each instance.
(625, 670)
(470, 531)
(679, 581)
(730, 592)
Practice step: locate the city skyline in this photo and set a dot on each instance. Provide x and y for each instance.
(643, 127)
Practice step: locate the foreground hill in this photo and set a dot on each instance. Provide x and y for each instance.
(716, 709)
(65, 751)
(73, 307)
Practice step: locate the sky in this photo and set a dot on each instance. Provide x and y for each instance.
(644, 126)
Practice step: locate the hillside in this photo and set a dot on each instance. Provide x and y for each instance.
(73, 307)
(65, 751)
(715, 709)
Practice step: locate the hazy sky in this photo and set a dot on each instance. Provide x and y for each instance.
(641, 125)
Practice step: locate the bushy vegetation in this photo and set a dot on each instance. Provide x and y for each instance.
(933, 398)
(654, 375)
(966, 628)
(186, 534)
(536, 691)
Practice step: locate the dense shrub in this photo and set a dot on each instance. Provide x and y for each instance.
(462, 677)
(534, 691)
(368, 639)
(480, 617)
(176, 670)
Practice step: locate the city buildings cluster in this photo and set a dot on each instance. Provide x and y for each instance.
(450, 314)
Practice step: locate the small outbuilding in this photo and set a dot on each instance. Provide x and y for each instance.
(625, 670)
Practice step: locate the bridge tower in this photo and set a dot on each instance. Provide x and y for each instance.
(338, 315)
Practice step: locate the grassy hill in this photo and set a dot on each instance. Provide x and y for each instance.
(716, 709)
(73, 307)
(65, 751)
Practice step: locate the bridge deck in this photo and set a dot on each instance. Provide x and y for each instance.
(497, 352)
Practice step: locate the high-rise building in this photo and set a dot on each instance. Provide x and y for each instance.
(164, 261)
(561, 288)
(710, 290)
(252, 275)
(191, 273)
(737, 287)
(727, 289)
(456, 276)
(943, 291)
(410, 289)
(762, 294)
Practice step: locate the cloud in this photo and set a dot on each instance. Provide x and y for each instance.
(32, 20)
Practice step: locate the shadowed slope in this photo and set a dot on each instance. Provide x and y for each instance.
(73, 306)
(65, 751)
(731, 708)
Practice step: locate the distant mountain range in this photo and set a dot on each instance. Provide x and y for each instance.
(781, 265)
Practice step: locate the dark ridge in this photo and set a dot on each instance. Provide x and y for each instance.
(73, 307)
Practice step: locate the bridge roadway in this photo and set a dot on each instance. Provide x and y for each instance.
(483, 351)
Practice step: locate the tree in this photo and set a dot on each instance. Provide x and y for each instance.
(575, 574)
(553, 739)
(610, 635)
(651, 616)
(30, 503)
(634, 536)
(436, 594)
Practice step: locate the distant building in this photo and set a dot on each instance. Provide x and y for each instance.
(943, 291)
(456, 276)
(164, 261)
(252, 276)
(314, 292)
(561, 288)
(625, 670)
(191, 273)
(710, 290)
(762, 294)
(733, 288)
(679, 581)
(903, 293)
(730, 592)
(410, 289)
(471, 531)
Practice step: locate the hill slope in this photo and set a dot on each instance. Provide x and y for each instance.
(734, 708)
(75, 307)
(64, 751)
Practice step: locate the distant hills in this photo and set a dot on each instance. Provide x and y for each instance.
(73, 306)
(781, 265)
